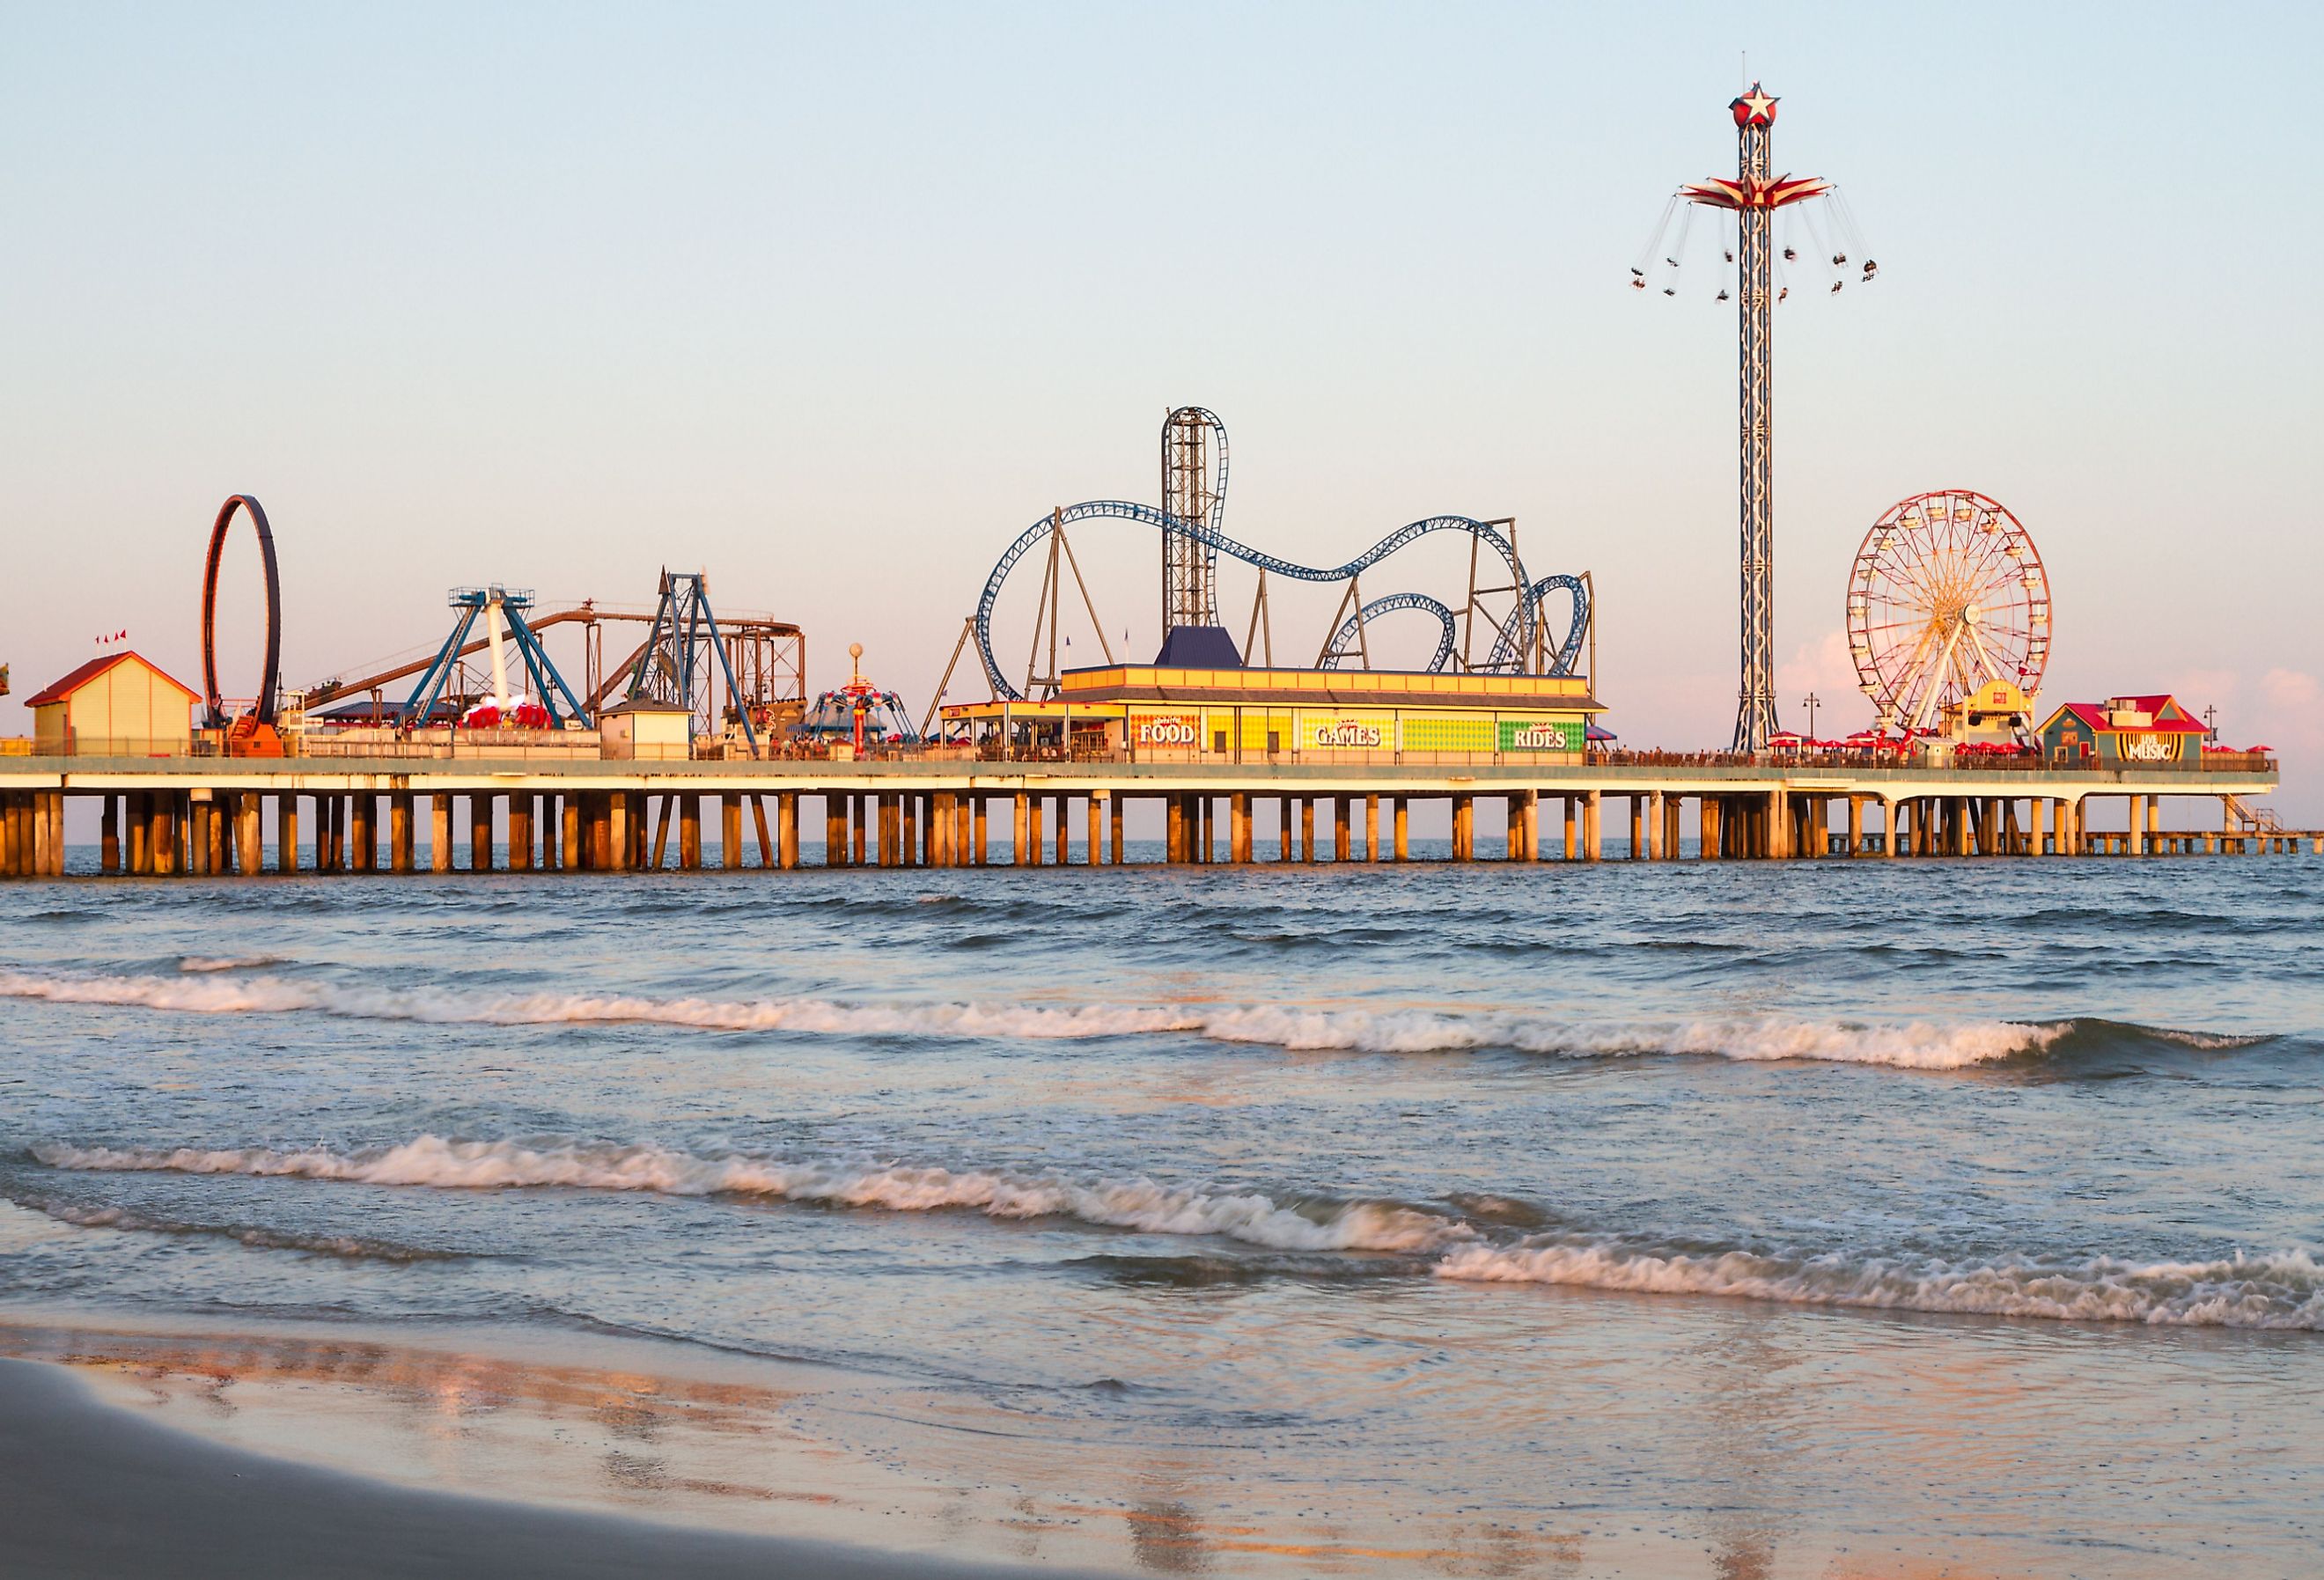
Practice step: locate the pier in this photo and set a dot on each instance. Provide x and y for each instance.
(203, 816)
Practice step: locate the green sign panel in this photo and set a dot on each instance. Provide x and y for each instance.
(1541, 735)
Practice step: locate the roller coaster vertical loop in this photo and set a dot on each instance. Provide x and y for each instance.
(213, 698)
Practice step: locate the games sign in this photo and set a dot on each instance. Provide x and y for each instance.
(1329, 733)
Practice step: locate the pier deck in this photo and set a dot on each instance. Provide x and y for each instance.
(214, 816)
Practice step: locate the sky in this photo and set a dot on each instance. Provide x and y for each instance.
(831, 302)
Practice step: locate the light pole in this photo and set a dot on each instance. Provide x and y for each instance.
(2211, 725)
(1813, 701)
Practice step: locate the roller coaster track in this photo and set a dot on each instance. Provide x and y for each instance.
(1349, 637)
(1510, 645)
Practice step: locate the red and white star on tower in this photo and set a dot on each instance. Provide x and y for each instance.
(1755, 109)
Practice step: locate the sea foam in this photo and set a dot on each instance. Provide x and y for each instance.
(1137, 1204)
(2282, 1291)
(1913, 1045)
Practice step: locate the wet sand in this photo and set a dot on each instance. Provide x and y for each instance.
(86, 1488)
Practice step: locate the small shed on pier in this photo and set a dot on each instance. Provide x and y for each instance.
(116, 705)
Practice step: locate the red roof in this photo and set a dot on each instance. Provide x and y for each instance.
(98, 666)
(2094, 716)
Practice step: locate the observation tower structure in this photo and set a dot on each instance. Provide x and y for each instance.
(1752, 198)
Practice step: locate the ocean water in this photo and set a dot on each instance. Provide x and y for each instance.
(1730, 1219)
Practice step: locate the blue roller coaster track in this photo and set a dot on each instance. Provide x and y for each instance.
(1511, 645)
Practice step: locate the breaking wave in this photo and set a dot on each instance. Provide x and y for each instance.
(2282, 1291)
(2285, 1290)
(210, 989)
(349, 1247)
(1307, 1225)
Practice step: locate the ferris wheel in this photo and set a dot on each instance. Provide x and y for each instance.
(1947, 593)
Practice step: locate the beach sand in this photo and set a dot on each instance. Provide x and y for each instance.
(87, 1489)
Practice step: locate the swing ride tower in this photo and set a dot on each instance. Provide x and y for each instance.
(1753, 197)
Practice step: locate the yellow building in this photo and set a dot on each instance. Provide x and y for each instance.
(118, 706)
(1997, 714)
(1147, 712)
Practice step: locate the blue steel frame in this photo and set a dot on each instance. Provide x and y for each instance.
(684, 602)
(547, 685)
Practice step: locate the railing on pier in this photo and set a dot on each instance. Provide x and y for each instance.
(452, 740)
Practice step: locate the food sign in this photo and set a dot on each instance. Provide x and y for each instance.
(1180, 730)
